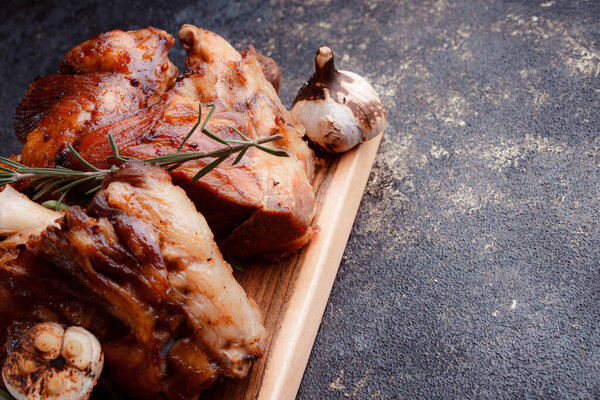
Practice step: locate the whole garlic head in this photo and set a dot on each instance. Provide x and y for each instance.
(338, 109)
(53, 363)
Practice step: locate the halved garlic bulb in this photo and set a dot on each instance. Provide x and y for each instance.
(53, 363)
(338, 109)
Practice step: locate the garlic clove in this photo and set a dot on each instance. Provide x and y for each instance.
(44, 339)
(56, 384)
(81, 349)
(26, 366)
(31, 372)
(68, 384)
(338, 109)
(19, 381)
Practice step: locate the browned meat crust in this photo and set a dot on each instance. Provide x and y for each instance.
(140, 270)
(122, 83)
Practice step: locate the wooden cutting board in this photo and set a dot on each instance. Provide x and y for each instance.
(293, 294)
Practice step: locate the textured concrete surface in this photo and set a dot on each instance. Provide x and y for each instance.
(473, 267)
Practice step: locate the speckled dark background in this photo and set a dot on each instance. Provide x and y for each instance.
(473, 267)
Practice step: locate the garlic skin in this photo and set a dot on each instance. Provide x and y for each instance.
(34, 371)
(338, 109)
(18, 212)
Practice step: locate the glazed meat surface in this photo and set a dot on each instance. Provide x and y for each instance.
(141, 271)
(263, 205)
(102, 79)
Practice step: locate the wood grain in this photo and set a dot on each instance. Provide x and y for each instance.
(293, 294)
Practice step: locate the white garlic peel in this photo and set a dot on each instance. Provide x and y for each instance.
(18, 212)
(338, 109)
(35, 371)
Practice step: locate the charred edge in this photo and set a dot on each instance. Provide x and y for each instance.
(62, 155)
(325, 76)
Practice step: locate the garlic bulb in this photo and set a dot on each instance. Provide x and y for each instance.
(338, 109)
(53, 363)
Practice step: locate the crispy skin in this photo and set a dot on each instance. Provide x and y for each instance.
(264, 205)
(101, 80)
(167, 310)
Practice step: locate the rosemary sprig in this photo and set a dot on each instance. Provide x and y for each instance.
(60, 180)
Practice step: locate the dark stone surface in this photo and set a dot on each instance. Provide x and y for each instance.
(473, 266)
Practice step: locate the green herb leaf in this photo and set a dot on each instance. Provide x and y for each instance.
(59, 203)
(209, 167)
(115, 149)
(191, 132)
(81, 159)
(47, 188)
(175, 166)
(54, 205)
(73, 184)
(233, 128)
(240, 156)
(278, 153)
(63, 179)
(213, 136)
(40, 182)
(10, 163)
(93, 190)
(210, 113)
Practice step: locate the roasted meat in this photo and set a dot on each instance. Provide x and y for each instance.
(102, 79)
(263, 205)
(139, 269)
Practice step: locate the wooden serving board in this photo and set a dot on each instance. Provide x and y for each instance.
(293, 294)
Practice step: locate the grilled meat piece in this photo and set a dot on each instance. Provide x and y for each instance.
(102, 79)
(169, 314)
(263, 205)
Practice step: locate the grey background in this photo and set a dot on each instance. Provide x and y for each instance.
(473, 268)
